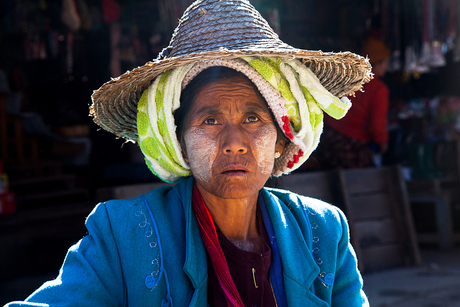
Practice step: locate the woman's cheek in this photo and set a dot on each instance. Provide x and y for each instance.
(264, 148)
(201, 148)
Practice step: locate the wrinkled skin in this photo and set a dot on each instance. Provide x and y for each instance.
(230, 139)
(230, 142)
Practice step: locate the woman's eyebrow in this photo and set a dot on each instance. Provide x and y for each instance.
(211, 110)
(255, 107)
(216, 109)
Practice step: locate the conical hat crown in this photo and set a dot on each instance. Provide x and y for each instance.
(233, 25)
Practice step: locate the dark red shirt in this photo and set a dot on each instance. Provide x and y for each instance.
(241, 264)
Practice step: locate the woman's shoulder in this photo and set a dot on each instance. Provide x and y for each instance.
(131, 224)
(120, 207)
(123, 216)
(296, 200)
(315, 209)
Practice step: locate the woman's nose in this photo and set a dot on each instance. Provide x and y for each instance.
(234, 140)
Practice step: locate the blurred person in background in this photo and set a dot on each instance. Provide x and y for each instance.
(355, 140)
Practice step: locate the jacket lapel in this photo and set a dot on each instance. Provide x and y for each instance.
(195, 255)
(299, 267)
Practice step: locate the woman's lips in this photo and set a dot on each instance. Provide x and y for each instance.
(234, 170)
(234, 173)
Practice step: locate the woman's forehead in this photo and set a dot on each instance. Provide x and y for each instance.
(227, 90)
(235, 82)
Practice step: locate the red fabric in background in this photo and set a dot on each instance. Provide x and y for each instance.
(110, 11)
(7, 202)
(367, 118)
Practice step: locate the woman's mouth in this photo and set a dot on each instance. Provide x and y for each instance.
(234, 171)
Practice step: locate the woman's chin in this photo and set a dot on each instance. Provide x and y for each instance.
(233, 186)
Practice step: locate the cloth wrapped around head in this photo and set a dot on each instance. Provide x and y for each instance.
(293, 93)
(298, 85)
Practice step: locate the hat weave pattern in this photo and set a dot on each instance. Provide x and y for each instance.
(213, 25)
(211, 29)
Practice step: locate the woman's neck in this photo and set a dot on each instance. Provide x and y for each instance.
(237, 220)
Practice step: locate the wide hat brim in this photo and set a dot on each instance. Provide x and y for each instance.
(114, 105)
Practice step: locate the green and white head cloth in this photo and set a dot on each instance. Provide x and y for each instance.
(293, 93)
(230, 33)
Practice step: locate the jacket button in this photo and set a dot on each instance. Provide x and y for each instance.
(150, 282)
(329, 279)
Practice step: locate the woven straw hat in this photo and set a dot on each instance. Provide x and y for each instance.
(225, 29)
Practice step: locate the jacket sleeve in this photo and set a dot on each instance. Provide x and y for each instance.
(91, 274)
(348, 285)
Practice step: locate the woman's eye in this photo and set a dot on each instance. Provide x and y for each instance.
(252, 118)
(210, 121)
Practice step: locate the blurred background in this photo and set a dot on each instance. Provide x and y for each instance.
(56, 164)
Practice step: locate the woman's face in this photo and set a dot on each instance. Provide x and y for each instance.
(230, 139)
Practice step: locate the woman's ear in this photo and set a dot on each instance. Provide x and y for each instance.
(279, 146)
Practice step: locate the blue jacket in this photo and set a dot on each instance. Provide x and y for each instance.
(148, 251)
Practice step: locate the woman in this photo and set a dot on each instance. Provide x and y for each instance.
(245, 110)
